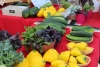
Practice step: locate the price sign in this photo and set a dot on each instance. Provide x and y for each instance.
(39, 3)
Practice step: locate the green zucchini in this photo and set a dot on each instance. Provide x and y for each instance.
(25, 13)
(79, 39)
(33, 11)
(81, 34)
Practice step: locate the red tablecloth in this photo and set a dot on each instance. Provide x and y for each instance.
(15, 24)
(94, 21)
(62, 47)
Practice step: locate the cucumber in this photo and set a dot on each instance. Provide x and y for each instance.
(57, 23)
(80, 28)
(59, 20)
(50, 24)
(88, 29)
(78, 39)
(62, 31)
(81, 34)
(56, 17)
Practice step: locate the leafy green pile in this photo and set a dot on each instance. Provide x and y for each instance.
(8, 56)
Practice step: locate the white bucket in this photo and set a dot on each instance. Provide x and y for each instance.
(96, 6)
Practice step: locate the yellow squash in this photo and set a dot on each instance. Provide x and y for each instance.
(41, 12)
(76, 52)
(72, 59)
(51, 55)
(63, 65)
(37, 62)
(24, 63)
(81, 59)
(73, 65)
(48, 12)
(61, 9)
(52, 9)
(56, 63)
(81, 45)
(65, 56)
(33, 54)
(71, 45)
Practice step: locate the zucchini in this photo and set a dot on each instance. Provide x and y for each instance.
(81, 34)
(25, 13)
(33, 11)
(78, 39)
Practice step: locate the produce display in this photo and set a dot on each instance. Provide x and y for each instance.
(38, 36)
(81, 34)
(82, 46)
(49, 32)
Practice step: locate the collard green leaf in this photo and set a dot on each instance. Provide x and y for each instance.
(8, 56)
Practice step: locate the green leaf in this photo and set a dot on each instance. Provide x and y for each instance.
(8, 55)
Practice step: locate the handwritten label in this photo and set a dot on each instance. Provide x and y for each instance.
(39, 3)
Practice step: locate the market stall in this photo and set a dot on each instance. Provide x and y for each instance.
(50, 42)
(62, 47)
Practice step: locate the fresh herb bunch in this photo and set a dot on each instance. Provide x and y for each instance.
(50, 35)
(28, 35)
(4, 35)
(87, 7)
(14, 39)
(8, 56)
(32, 40)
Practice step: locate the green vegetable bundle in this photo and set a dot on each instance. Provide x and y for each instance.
(65, 4)
(87, 7)
(8, 56)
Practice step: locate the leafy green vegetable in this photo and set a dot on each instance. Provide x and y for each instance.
(65, 4)
(87, 7)
(8, 56)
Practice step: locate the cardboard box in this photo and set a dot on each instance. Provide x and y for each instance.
(8, 1)
(71, 17)
(13, 10)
